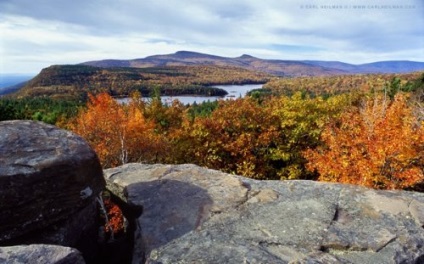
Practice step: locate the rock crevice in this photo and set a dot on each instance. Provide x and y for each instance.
(192, 214)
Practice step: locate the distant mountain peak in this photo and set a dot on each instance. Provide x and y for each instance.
(246, 56)
(188, 54)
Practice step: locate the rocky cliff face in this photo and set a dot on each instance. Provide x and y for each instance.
(196, 215)
(49, 180)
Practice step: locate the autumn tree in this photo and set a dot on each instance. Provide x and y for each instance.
(165, 116)
(235, 138)
(301, 120)
(118, 133)
(257, 138)
(378, 145)
(417, 97)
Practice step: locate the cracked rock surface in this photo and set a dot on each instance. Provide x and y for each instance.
(46, 254)
(196, 215)
(49, 180)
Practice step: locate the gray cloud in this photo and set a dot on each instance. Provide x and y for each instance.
(63, 31)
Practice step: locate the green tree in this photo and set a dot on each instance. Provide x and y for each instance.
(301, 121)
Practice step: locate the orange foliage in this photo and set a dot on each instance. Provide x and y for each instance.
(115, 217)
(379, 145)
(235, 138)
(118, 133)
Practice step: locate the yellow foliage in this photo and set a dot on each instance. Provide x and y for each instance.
(379, 145)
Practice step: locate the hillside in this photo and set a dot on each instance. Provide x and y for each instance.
(75, 81)
(187, 58)
(330, 85)
(289, 68)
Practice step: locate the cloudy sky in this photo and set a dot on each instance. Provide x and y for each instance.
(37, 34)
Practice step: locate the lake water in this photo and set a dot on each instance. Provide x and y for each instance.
(234, 91)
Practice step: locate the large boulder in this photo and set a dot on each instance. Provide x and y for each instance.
(40, 254)
(49, 180)
(195, 215)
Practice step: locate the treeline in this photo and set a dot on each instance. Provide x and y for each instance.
(374, 138)
(332, 85)
(42, 109)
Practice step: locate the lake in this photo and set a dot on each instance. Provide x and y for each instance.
(234, 91)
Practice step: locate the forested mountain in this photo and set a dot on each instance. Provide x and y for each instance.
(187, 58)
(276, 67)
(75, 81)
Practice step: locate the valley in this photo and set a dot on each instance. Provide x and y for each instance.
(277, 132)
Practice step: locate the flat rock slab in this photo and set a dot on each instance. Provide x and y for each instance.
(196, 215)
(40, 254)
(46, 176)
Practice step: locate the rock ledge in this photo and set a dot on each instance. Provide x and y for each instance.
(195, 215)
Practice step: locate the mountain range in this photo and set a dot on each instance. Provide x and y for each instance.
(185, 71)
(290, 68)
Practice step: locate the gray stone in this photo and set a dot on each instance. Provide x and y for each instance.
(195, 215)
(40, 254)
(49, 180)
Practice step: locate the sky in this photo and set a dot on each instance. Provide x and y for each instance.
(37, 34)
